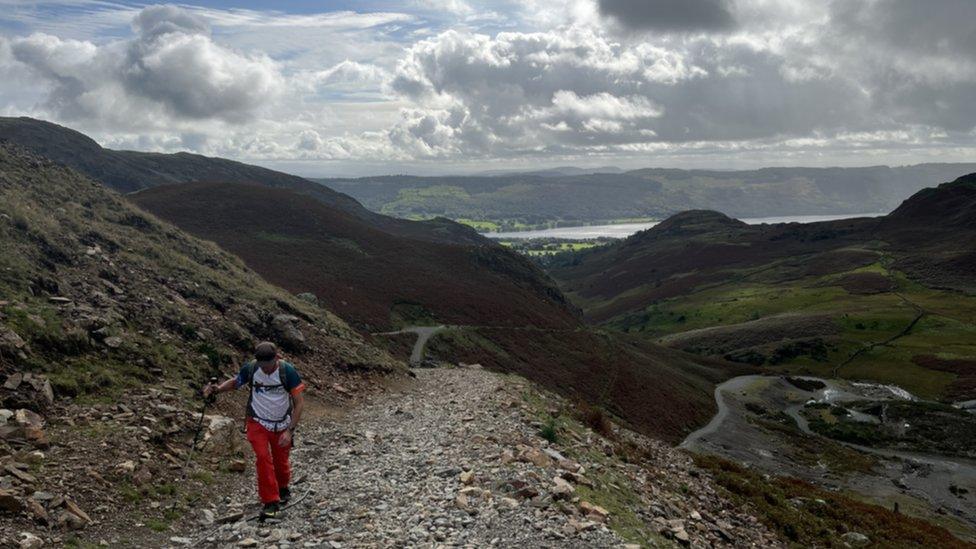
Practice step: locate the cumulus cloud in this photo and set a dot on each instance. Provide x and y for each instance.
(667, 15)
(577, 88)
(552, 79)
(172, 68)
(787, 74)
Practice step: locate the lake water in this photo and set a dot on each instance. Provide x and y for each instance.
(623, 230)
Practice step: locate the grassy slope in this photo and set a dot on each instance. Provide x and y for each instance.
(183, 308)
(868, 276)
(365, 274)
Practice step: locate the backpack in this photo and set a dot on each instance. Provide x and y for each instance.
(251, 385)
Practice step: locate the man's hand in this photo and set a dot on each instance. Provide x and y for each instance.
(285, 439)
(209, 389)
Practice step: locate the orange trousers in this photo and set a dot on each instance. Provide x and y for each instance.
(272, 465)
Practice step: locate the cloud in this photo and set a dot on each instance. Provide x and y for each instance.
(670, 15)
(579, 89)
(547, 80)
(155, 21)
(348, 74)
(171, 69)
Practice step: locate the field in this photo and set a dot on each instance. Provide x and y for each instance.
(547, 247)
(947, 328)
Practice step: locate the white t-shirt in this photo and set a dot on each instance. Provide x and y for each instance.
(270, 395)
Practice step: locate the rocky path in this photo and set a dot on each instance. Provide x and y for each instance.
(421, 469)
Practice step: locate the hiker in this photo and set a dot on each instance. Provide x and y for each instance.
(274, 408)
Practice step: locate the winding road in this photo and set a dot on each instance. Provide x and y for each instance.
(424, 333)
(928, 477)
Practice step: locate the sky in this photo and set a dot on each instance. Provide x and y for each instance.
(457, 86)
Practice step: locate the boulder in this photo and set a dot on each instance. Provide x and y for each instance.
(287, 333)
(9, 502)
(562, 489)
(30, 426)
(77, 511)
(26, 390)
(11, 344)
(222, 436)
(535, 457)
(855, 539)
(29, 541)
(594, 512)
(37, 511)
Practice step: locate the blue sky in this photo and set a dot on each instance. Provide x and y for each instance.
(446, 86)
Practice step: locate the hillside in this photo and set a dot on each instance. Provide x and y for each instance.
(373, 278)
(509, 317)
(110, 322)
(654, 390)
(808, 297)
(521, 200)
(130, 171)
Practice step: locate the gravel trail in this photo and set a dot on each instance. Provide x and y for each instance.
(419, 467)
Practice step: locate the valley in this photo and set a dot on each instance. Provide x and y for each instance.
(682, 334)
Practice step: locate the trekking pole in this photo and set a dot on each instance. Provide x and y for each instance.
(207, 401)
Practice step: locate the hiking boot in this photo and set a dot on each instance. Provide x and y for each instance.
(270, 511)
(284, 494)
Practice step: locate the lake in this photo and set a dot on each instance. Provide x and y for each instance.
(623, 230)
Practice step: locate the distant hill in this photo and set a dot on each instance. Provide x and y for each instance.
(552, 172)
(130, 171)
(770, 287)
(537, 199)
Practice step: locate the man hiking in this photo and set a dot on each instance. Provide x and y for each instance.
(274, 408)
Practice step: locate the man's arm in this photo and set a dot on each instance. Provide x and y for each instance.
(228, 385)
(298, 403)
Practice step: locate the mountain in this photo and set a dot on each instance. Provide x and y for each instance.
(110, 322)
(380, 273)
(514, 201)
(130, 171)
(375, 279)
(807, 297)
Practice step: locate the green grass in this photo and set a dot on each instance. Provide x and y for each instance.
(728, 305)
(549, 431)
(949, 325)
(480, 225)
